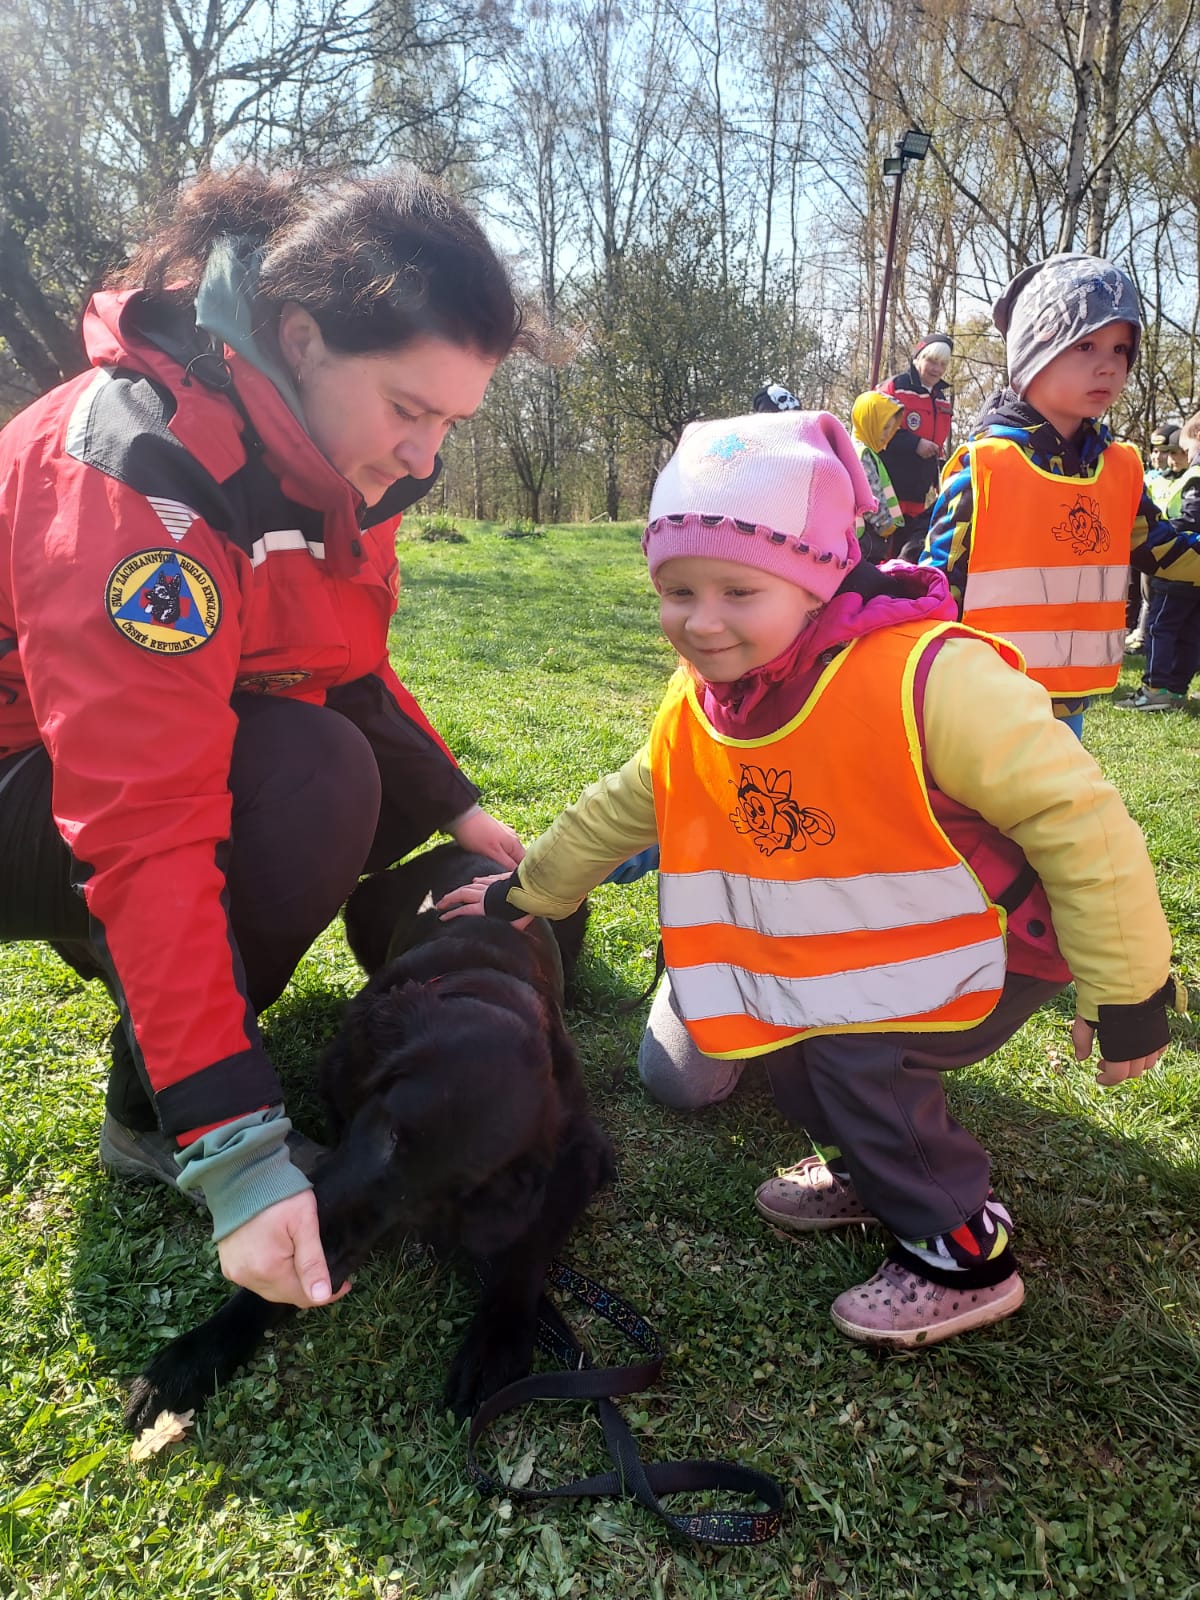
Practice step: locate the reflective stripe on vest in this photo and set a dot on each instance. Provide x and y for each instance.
(1049, 562)
(788, 905)
(868, 998)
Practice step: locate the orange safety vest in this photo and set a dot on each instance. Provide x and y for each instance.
(1049, 562)
(789, 904)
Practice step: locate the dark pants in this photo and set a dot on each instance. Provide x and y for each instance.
(306, 823)
(879, 1098)
(1172, 635)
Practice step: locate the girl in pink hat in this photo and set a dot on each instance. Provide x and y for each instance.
(856, 952)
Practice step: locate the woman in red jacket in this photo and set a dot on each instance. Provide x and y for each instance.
(202, 741)
(915, 452)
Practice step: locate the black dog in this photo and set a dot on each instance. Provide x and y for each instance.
(460, 1117)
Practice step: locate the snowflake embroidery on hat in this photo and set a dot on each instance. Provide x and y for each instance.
(727, 446)
(767, 812)
(1083, 530)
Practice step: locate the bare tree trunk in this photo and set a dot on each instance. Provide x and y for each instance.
(1084, 69)
(1109, 89)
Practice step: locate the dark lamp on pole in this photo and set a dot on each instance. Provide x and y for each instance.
(914, 146)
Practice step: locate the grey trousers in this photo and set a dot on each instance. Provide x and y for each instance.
(878, 1097)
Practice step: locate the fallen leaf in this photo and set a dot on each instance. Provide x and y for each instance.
(167, 1428)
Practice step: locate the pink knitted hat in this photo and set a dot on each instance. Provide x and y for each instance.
(783, 492)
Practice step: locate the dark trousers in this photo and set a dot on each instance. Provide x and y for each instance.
(879, 1098)
(306, 823)
(1172, 635)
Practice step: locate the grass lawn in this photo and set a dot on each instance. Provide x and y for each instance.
(1057, 1454)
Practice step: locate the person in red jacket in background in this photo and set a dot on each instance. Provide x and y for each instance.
(202, 741)
(914, 454)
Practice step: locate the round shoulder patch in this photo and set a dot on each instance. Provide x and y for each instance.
(163, 601)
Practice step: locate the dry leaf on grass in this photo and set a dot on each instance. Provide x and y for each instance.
(167, 1428)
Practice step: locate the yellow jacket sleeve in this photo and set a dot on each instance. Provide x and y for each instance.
(992, 743)
(612, 820)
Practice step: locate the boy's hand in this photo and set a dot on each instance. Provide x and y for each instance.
(1083, 1037)
(467, 901)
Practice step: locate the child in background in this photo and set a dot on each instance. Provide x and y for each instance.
(1172, 640)
(875, 419)
(858, 950)
(1041, 507)
(1168, 460)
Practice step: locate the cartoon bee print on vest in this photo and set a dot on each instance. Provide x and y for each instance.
(1082, 528)
(775, 821)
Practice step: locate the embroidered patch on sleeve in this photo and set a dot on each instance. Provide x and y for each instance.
(163, 601)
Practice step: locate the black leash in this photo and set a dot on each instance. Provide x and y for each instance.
(633, 1478)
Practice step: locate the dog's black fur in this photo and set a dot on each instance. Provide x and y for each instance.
(460, 1117)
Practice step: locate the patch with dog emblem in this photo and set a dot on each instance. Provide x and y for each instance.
(163, 601)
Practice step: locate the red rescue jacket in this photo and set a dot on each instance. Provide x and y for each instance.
(165, 544)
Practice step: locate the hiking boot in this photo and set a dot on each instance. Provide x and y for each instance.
(150, 1157)
(1144, 698)
(140, 1157)
(900, 1308)
(810, 1198)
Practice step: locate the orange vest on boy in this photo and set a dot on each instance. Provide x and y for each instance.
(791, 904)
(1049, 562)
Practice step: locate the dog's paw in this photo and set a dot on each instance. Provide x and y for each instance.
(180, 1378)
(490, 1357)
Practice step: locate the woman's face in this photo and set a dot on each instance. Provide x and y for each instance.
(930, 368)
(384, 415)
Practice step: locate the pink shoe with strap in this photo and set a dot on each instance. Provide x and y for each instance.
(810, 1198)
(900, 1307)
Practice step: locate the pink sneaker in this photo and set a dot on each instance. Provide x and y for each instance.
(809, 1198)
(899, 1307)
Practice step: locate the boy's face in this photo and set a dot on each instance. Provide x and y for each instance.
(727, 618)
(1174, 460)
(1084, 380)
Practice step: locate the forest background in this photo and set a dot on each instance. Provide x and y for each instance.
(691, 190)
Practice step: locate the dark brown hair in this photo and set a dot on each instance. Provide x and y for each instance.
(377, 262)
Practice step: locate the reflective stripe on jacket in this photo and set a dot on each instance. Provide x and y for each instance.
(789, 905)
(1049, 563)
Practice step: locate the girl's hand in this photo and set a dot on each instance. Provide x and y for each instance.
(467, 901)
(279, 1255)
(478, 831)
(1083, 1037)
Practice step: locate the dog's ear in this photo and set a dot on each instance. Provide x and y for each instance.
(503, 1209)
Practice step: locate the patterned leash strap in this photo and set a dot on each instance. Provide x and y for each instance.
(632, 1478)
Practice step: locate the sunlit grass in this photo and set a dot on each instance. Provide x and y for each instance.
(1056, 1455)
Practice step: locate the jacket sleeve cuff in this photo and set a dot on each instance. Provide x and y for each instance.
(496, 902)
(242, 1168)
(1125, 1033)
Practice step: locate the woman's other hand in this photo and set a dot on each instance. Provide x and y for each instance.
(278, 1254)
(477, 830)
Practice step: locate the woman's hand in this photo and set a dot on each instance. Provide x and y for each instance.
(467, 901)
(926, 447)
(1083, 1036)
(478, 831)
(278, 1254)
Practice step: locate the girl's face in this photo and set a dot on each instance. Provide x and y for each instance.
(727, 618)
(384, 415)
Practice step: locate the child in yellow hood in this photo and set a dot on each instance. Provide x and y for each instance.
(874, 421)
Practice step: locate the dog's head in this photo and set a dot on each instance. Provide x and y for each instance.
(450, 1105)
